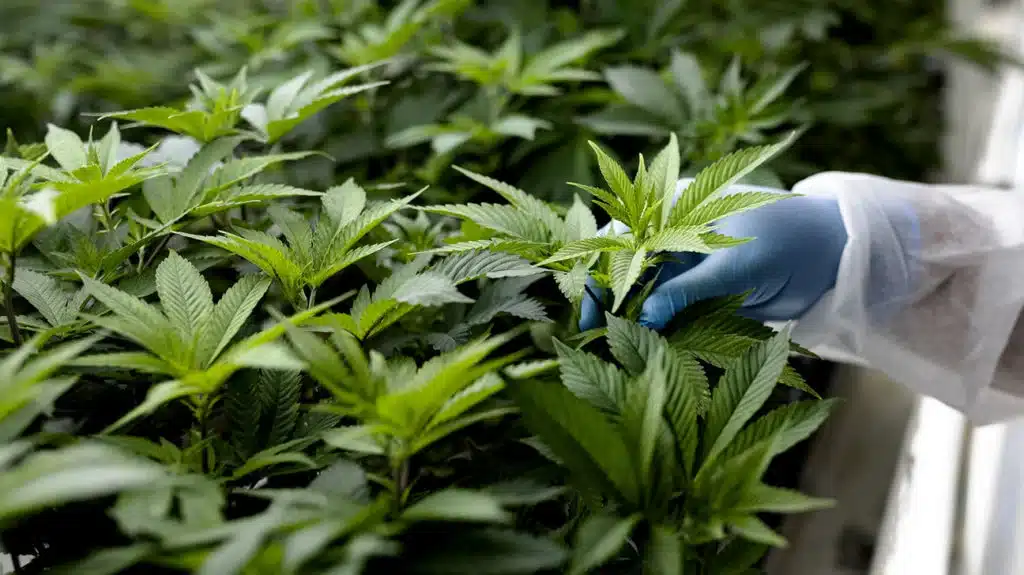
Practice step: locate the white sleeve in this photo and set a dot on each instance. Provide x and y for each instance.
(955, 335)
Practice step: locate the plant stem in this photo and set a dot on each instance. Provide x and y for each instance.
(204, 429)
(156, 250)
(12, 321)
(400, 475)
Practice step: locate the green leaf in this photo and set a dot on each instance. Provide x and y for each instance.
(663, 175)
(501, 218)
(753, 529)
(722, 174)
(689, 81)
(75, 473)
(66, 147)
(573, 283)
(600, 383)
(46, 295)
(599, 540)
(790, 424)
(490, 552)
(184, 295)
(530, 205)
(460, 505)
(587, 247)
(766, 499)
(678, 240)
(229, 315)
(646, 90)
(730, 204)
(344, 203)
(579, 221)
(139, 320)
(475, 264)
(430, 289)
(157, 396)
(613, 173)
(579, 435)
(626, 268)
(743, 389)
(278, 394)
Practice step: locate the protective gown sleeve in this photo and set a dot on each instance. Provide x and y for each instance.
(929, 291)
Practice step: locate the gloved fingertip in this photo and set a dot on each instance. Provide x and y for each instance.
(655, 313)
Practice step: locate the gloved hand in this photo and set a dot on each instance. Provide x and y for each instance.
(790, 265)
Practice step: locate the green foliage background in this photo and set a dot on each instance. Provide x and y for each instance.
(264, 311)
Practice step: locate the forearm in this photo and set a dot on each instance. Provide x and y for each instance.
(932, 304)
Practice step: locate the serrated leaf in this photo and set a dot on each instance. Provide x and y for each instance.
(139, 320)
(430, 289)
(790, 424)
(663, 175)
(278, 393)
(743, 389)
(475, 264)
(229, 315)
(678, 240)
(46, 296)
(722, 174)
(600, 383)
(579, 221)
(530, 205)
(579, 435)
(184, 295)
(612, 173)
(599, 539)
(344, 203)
(626, 267)
(501, 218)
(66, 147)
(587, 247)
(730, 204)
(573, 283)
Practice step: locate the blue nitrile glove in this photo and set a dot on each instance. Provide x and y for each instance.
(790, 265)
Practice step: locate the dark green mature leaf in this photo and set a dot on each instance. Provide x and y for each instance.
(600, 383)
(490, 552)
(580, 436)
(598, 540)
(277, 394)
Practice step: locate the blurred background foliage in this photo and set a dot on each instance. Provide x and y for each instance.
(514, 88)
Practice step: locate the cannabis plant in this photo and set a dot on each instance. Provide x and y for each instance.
(276, 321)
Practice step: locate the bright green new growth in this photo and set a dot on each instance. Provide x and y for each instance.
(313, 253)
(655, 225)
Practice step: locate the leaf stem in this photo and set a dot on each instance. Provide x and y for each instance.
(12, 321)
(156, 250)
(400, 476)
(204, 430)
